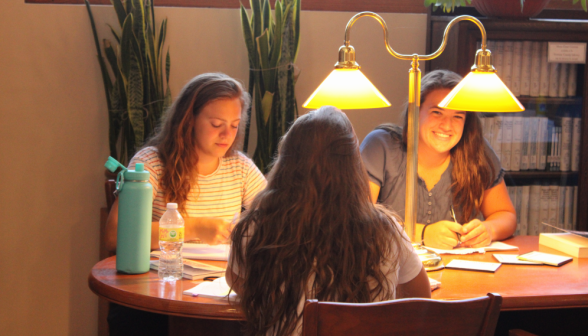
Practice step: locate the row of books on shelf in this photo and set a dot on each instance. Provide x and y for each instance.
(523, 66)
(553, 204)
(535, 143)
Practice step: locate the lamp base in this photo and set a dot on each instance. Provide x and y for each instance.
(430, 259)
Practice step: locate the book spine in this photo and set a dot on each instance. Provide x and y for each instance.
(534, 209)
(507, 63)
(524, 222)
(544, 202)
(533, 136)
(572, 80)
(517, 64)
(488, 127)
(497, 136)
(517, 205)
(550, 148)
(563, 80)
(544, 72)
(517, 143)
(507, 123)
(554, 79)
(498, 58)
(576, 137)
(566, 143)
(542, 139)
(561, 222)
(553, 206)
(558, 150)
(525, 144)
(535, 69)
(525, 67)
(575, 209)
(569, 207)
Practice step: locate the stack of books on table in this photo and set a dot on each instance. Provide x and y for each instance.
(194, 270)
(574, 243)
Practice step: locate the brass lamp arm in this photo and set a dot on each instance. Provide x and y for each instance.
(412, 57)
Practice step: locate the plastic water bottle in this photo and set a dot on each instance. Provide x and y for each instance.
(171, 241)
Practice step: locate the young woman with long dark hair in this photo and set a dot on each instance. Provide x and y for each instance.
(458, 171)
(314, 233)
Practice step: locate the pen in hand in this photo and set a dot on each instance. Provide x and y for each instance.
(458, 234)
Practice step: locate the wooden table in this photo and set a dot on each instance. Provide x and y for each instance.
(523, 288)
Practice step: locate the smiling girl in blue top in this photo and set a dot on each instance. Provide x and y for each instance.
(457, 169)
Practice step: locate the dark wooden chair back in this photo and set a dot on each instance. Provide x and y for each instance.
(476, 316)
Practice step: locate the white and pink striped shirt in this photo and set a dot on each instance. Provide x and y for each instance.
(221, 194)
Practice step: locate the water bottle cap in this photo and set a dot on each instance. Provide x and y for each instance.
(139, 174)
(172, 205)
(112, 165)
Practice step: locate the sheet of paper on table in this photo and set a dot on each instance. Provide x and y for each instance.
(434, 284)
(469, 265)
(202, 251)
(513, 259)
(215, 289)
(495, 246)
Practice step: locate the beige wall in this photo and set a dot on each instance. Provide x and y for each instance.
(53, 132)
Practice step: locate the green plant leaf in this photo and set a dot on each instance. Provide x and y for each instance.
(114, 33)
(126, 47)
(167, 68)
(266, 9)
(256, 17)
(110, 56)
(263, 51)
(135, 100)
(296, 43)
(266, 105)
(277, 40)
(162, 33)
(139, 28)
(121, 13)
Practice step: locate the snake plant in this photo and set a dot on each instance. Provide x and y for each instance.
(272, 44)
(137, 96)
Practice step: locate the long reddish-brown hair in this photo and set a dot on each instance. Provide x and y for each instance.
(175, 140)
(314, 217)
(472, 169)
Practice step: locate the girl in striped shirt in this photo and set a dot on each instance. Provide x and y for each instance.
(193, 160)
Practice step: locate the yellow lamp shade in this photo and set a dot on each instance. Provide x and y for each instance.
(481, 92)
(347, 89)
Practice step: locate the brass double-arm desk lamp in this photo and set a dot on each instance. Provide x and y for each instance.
(480, 91)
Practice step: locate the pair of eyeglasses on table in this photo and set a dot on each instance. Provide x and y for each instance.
(210, 278)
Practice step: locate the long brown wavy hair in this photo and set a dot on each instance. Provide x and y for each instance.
(314, 217)
(472, 169)
(175, 139)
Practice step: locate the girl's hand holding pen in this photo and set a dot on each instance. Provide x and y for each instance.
(475, 234)
(443, 235)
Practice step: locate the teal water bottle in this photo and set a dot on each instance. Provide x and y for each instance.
(135, 202)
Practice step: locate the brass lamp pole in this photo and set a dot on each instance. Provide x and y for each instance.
(480, 91)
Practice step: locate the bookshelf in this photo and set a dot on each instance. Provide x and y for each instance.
(459, 57)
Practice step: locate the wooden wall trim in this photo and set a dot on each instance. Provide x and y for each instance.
(379, 6)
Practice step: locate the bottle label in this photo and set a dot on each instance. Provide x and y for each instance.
(171, 235)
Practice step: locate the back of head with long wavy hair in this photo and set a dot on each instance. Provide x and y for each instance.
(175, 139)
(314, 217)
(472, 169)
